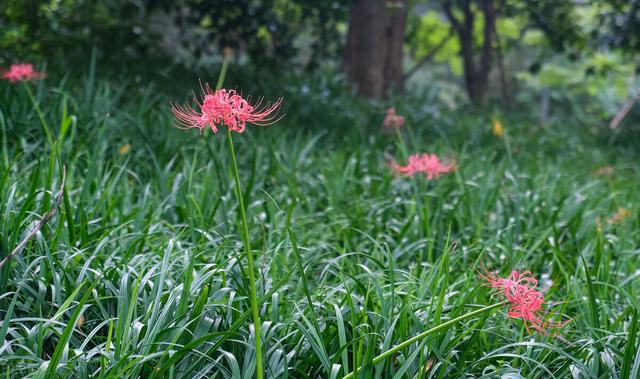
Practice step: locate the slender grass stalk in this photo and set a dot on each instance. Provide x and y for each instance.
(5, 148)
(43, 122)
(427, 333)
(401, 144)
(247, 250)
(507, 146)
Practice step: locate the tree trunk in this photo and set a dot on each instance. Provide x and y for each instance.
(504, 84)
(394, 72)
(372, 59)
(486, 6)
(476, 74)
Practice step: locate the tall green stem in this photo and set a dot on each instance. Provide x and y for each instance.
(5, 149)
(401, 144)
(246, 241)
(247, 250)
(36, 107)
(223, 73)
(50, 141)
(422, 335)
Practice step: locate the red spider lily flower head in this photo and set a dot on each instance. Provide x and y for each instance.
(427, 164)
(520, 289)
(22, 72)
(392, 120)
(225, 107)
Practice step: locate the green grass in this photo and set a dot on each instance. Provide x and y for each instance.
(141, 272)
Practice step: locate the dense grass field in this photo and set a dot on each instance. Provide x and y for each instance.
(141, 273)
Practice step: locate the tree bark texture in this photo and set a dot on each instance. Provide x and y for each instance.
(477, 64)
(372, 59)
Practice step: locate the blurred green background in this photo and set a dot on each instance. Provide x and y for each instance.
(543, 56)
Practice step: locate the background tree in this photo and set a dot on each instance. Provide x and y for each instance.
(373, 54)
(463, 15)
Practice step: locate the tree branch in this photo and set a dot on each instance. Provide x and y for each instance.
(622, 113)
(452, 18)
(427, 58)
(43, 221)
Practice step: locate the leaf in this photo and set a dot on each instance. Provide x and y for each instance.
(631, 346)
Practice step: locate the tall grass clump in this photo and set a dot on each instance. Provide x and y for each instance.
(299, 249)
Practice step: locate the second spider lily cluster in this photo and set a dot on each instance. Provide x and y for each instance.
(428, 164)
(525, 299)
(392, 120)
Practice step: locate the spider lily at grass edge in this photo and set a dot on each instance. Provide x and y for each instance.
(525, 300)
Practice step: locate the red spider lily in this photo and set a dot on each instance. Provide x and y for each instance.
(428, 164)
(392, 120)
(526, 301)
(22, 72)
(225, 107)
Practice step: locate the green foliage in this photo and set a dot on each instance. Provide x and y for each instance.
(56, 29)
(619, 24)
(268, 32)
(556, 18)
(601, 82)
(428, 30)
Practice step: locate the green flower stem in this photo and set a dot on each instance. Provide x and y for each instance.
(246, 241)
(36, 107)
(507, 145)
(401, 144)
(249, 254)
(223, 73)
(427, 333)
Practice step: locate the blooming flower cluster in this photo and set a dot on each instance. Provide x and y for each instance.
(22, 72)
(520, 289)
(392, 120)
(427, 164)
(225, 107)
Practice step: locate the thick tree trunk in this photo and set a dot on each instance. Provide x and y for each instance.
(394, 72)
(372, 57)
